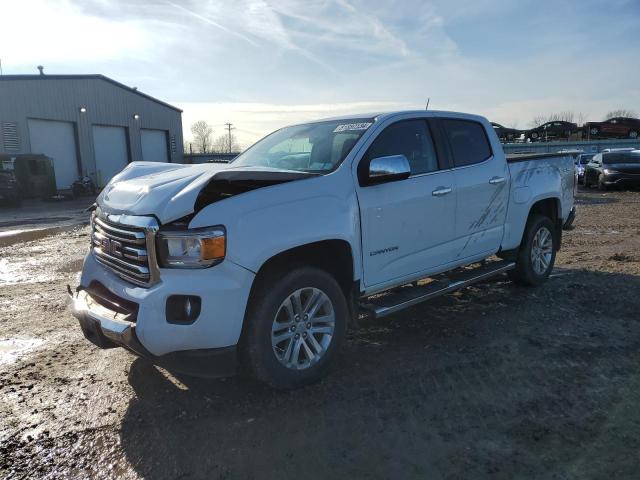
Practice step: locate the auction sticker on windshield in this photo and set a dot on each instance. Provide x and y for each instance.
(350, 127)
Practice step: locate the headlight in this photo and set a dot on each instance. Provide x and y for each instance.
(608, 171)
(192, 248)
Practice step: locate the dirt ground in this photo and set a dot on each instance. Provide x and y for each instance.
(493, 381)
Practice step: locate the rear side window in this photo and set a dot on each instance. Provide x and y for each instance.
(468, 141)
(410, 138)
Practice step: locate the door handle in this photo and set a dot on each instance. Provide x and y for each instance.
(496, 180)
(440, 191)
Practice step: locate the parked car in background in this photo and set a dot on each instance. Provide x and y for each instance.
(551, 131)
(618, 127)
(9, 193)
(506, 134)
(613, 169)
(265, 261)
(34, 174)
(581, 163)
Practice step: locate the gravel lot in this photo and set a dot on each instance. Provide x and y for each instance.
(494, 381)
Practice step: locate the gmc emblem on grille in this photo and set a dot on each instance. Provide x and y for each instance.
(112, 247)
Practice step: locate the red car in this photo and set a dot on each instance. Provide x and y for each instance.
(618, 127)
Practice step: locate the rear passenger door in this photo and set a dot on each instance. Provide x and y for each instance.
(482, 181)
(407, 226)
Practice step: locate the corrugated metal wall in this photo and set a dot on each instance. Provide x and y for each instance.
(105, 103)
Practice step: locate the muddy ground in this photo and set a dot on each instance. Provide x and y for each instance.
(494, 381)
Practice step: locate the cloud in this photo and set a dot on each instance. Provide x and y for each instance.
(265, 63)
(39, 31)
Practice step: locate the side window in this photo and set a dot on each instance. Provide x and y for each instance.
(410, 138)
(468, 141)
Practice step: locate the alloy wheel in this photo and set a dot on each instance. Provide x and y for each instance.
(303, 328)
(541, 251)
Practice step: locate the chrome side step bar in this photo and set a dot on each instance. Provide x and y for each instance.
(384, 304)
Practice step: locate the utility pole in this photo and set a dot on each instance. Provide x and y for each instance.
(230, 127)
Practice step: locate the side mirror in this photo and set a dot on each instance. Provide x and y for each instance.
(388, 169)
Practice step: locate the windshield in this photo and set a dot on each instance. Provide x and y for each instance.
(622, 157)
(313, 147)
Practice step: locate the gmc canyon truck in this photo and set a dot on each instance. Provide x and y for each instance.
(263, 263)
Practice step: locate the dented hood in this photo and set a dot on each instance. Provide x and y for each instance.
(170, 191)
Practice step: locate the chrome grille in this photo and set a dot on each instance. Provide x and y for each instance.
(125, 249)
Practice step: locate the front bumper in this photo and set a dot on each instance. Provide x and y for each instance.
(108, 328)
(621, 179)
(223, 290)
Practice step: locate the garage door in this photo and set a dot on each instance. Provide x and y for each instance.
(110, 145)
(154, 145)
(58, 141)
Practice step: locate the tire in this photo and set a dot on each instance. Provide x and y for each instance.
(601, 186)
(269, 316)
(633, 134)
(530, 272)
(594, 131)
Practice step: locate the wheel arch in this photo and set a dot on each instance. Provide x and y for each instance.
(332, 255)
(549, 206)
(552, 208)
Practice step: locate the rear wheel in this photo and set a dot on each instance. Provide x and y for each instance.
(295, 325)
(537, 253)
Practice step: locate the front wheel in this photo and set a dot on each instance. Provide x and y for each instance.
(601, 186)
(295, 325)
(537, 253)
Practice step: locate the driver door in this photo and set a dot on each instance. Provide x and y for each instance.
(408, 226)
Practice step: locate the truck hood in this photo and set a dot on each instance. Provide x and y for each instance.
(172, 191)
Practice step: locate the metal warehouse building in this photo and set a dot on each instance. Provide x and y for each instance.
(87, 124)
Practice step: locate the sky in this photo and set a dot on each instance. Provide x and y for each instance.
(263, 64)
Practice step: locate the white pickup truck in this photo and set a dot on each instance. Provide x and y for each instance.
(266, 261)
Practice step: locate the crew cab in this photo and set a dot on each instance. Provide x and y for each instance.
(264, 262)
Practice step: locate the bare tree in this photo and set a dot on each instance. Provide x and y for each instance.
(621, 112)
(225, 144)
(202, 133)
(581, 118)
(566, 116)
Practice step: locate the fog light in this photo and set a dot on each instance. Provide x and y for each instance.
(183, 309)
